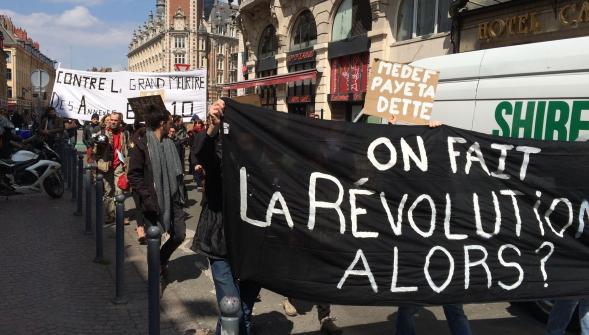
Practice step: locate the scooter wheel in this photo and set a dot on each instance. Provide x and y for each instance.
(54, 186)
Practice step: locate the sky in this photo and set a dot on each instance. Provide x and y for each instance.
(81, 34)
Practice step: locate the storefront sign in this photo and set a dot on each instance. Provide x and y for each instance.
(299, 99)
(401, 90)
(571, 15)
(298, 57)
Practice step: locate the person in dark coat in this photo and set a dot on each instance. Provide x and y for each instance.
(155, 174)
(138, 134)
(210, 236)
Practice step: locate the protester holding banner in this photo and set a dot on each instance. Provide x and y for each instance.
(110, 160)
(457, 320)
(210, 237)
(155, 173)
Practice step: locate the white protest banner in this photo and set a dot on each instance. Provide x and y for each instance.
(79, 94)
(401, 90)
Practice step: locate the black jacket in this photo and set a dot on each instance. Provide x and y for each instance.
(210, 235)
(140, 177)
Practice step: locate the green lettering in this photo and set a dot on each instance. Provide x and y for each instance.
(504, 107)
(539, 120)
(556, 122)
(576, 122)
(523, 123)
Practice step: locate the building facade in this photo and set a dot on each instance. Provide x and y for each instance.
(166, 42)
(3, 79)
(219, 48)
(316, 55)
(189, 34)
(22, 57)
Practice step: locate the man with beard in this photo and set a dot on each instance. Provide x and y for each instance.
(110, 159)
(156, 175)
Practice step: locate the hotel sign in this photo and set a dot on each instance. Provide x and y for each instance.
(574, 14)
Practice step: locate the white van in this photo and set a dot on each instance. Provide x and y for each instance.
(538, 90)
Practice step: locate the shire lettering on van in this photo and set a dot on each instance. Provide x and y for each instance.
(542, 119)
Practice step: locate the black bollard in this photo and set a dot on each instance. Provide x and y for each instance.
(79, 184)
(66, 168)
(230, 307)
(120, 250)
(73, 173)
(99, 219)
(154, 235)
(88, 191)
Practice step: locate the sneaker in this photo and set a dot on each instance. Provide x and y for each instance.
(289, 309)
(329, 328)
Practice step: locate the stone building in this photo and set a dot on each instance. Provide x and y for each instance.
(189, 34)
(23, 56)
(167, 41)
(3, 80)
(219, 46)
(312, 57)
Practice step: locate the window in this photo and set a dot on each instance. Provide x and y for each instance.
(180, 42)
(179, 59)
(268, 43)
(353, 18)
(9, 92)
(8, 74)
(304, 33)
(220, 63)
(219, 77)
(8, 57)
(422, 17)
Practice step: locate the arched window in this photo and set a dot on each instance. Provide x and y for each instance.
(268, 43)
(353, 18)
(304, 33)
(422, 17)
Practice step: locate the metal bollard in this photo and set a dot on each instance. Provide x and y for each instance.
(72, 155)
(120, 250)
(88, 191)
(79, 184)
(154, 236)
(230, 307)
(66, 168)
(99, 219)
(73, 174)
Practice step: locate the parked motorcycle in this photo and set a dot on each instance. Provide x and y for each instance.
(29, 171)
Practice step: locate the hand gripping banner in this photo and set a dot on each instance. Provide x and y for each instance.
(369, 214)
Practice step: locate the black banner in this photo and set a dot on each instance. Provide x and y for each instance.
(376, 214)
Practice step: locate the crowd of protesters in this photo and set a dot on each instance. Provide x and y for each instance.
(147, 160)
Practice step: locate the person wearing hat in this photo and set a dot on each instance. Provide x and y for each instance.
(92, 128)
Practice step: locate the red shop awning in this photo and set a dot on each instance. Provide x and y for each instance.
(273, 80)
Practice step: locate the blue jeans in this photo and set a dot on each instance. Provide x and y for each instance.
(457, 320)
(562, 313)
(225, 285)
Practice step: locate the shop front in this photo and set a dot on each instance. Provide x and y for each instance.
(300, 95)
(349, 57)
(349, 77)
